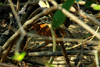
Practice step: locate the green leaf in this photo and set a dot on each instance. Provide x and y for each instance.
(59, 17)
(78, 0)
(86, 35)
(18, 56)
(48, 65)
(93, 1)
(1, 3)
(96, 7)
(88, 3)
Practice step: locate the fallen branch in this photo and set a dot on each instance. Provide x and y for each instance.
(58, 53)
(6, 65)
(89, 17)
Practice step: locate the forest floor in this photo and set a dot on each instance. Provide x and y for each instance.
(81, 49)
(59, 61)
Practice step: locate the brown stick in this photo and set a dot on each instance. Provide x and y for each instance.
(18, 6)
(8, 50)
(6, 65)
(63, 49)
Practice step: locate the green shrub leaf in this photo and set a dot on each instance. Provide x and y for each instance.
(78, 0)
(18, 56)
(1, 3)
(59, 17)
(96, 7)
(88, 3)
(86, 36)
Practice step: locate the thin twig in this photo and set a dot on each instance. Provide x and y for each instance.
(54, 42)
(17, 18)
(35, 12)
(62, 39)
(26, 44)
(6, 65)
(89, 17)
(18, 7)
(63, 49)
(59, 53)
(6, 54)
(18, 43)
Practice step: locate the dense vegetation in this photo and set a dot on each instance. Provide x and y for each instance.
(36, 33)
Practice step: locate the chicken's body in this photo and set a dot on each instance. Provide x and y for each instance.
(44, 30)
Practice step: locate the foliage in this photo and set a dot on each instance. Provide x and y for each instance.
(88, 3)
(59, 17)
(86, 36)
(96, 7)
(18, 56)
(1, 3)
(48, 65)
(78, 0)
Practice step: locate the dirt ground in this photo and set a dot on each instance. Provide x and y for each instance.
(59, 60)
